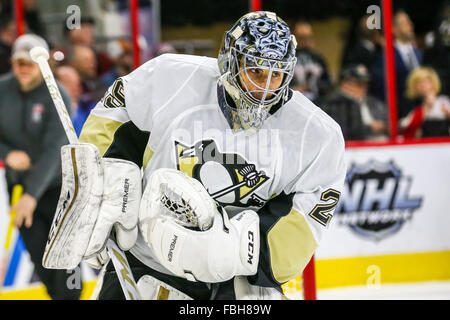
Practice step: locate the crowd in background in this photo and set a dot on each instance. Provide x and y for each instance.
(356, 100)
(30, 145)
(84, 71)
(31, 133)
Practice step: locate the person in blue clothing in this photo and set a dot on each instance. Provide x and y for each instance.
(81, 105)
(407, 58)
(121, 51)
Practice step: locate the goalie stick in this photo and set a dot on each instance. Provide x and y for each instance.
(117, 256)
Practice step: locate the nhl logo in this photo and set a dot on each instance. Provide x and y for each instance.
(376, 203)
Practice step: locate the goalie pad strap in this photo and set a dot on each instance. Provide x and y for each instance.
(243, 290)
(151, 288)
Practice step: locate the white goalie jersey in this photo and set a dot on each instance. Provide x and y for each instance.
(167, 114)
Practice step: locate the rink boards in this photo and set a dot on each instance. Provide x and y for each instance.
(393, 221)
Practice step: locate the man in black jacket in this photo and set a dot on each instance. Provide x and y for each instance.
(8, 33)
(311, 75)
(31, 136)
(361, 117)
(438, 56)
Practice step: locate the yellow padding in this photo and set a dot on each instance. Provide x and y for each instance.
(332, 273)
(99, 131)
(294, 285)
(148, 154)
(291, 245)
(397, 268)
(40, 293)
(15, 197)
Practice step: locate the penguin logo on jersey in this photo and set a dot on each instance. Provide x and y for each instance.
(227, 177)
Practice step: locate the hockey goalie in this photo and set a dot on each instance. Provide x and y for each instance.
(214, 177)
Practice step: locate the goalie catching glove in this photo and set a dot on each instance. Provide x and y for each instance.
(97, 195)
(191, 236)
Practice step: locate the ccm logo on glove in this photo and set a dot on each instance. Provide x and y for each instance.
(57, 219)
(251, 246)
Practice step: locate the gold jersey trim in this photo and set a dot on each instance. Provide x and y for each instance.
(291, 245)
(99, 131)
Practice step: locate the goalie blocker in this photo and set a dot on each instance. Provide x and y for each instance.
(97, 195)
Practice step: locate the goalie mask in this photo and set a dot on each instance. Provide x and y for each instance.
(256, 62)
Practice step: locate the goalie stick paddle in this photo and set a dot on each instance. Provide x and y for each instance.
(123, 271)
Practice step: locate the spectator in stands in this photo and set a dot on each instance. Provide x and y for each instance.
(361, 117)
(33, 18)
(80, 106)
(162, 48)
(31, 136)
(85, 36)
(311, 76)
(366, 48)
(438, 56)
(121, 51)
(82, 58)
(31, 15)
(57, 58)
(8, 33)
(431, 116)
(407, 58)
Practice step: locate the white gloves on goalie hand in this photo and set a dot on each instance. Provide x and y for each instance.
(227, 248)
(100, 195)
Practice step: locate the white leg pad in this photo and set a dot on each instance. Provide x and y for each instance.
(151, 288)
(78, 206)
